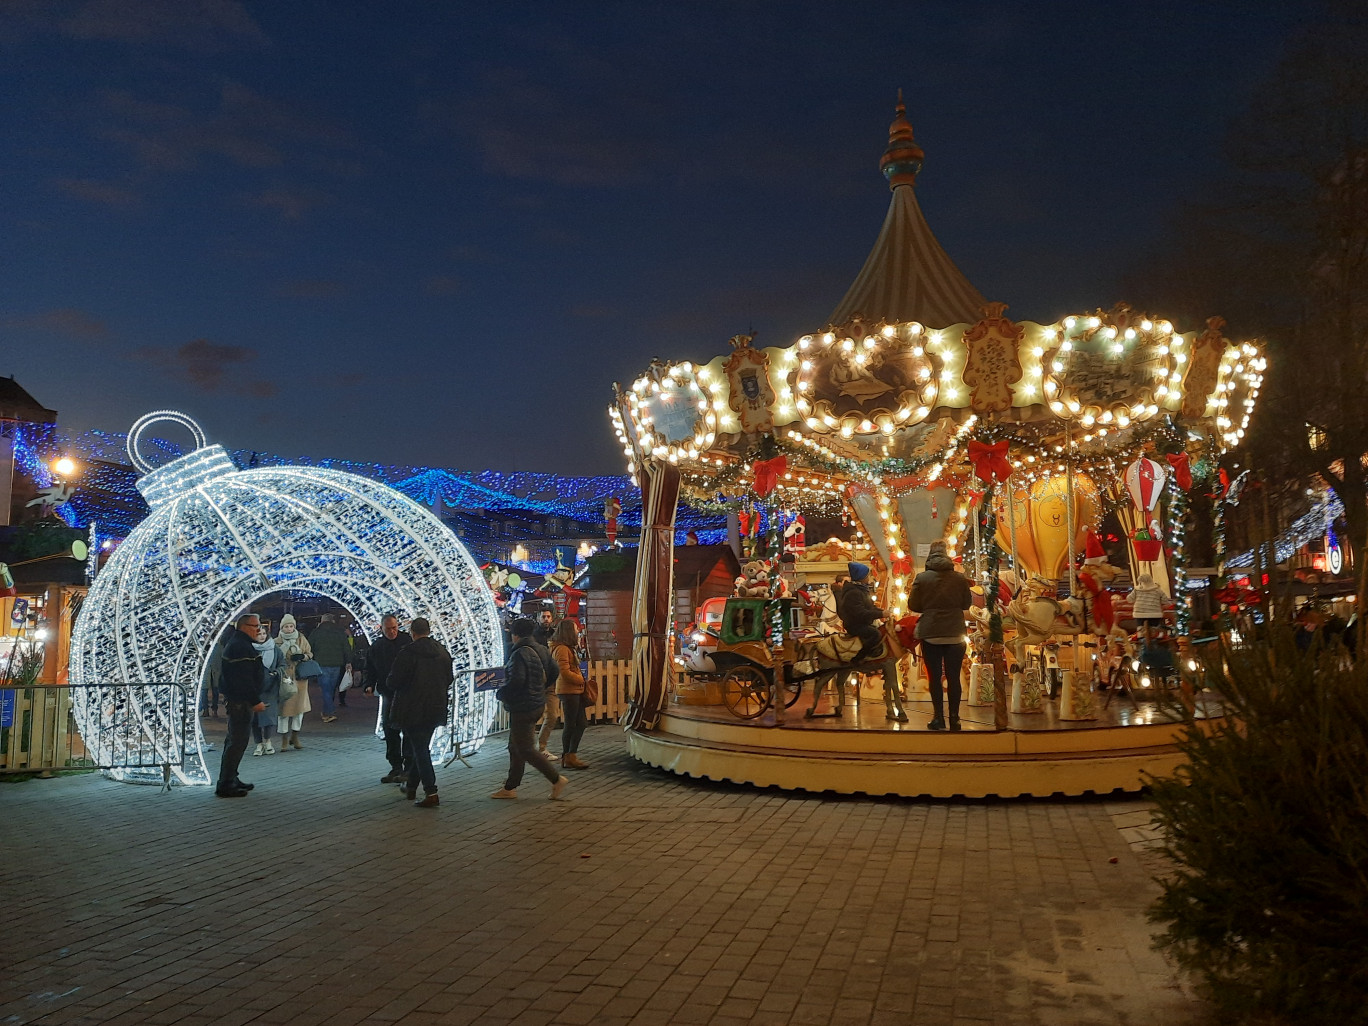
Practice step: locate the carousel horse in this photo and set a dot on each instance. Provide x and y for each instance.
(837, 653)
(1037, 615)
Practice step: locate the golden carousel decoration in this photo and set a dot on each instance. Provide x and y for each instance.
(920, 413)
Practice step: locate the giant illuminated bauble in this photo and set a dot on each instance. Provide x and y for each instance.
(218, 539)
(1042, 522)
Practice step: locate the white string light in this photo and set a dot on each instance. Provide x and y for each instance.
(217, 540)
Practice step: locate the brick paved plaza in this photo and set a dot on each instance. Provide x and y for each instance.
(642, 899)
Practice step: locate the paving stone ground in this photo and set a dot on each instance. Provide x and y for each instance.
(643, 899)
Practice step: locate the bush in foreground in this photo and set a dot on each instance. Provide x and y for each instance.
(1268, 825)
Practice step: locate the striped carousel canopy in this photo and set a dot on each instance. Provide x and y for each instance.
(908, 276)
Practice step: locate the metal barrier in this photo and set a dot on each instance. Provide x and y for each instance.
(138, 730)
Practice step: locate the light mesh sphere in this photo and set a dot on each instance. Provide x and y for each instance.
(218, 539)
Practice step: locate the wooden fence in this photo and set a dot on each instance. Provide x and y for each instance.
(37, 731)
(614, 677)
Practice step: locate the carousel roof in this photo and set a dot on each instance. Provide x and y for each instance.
(908, 276)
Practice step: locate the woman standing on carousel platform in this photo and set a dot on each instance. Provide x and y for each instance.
(941, 595)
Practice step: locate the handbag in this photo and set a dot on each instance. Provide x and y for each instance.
(288, 689)
(308, 668)
(591, 692)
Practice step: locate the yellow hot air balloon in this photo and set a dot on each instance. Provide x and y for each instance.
(1042, 523)
(1020, 510)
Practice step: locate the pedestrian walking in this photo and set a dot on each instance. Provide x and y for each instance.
(264, 721)
(295, 647)
(941, 595)
(570, 691)
(421, 684)
(243, 678)
(379, 663)
(523, 694)
(331, 647)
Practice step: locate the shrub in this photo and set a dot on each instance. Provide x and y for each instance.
(1268, 825)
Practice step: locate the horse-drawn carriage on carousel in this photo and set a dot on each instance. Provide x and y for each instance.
(758, 651)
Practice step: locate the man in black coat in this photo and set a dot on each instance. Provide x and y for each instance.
(523, 694)
(243, 678)
(421, 685)
(379, 663)
(546, 626)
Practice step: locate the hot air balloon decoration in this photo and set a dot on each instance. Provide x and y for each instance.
(1041, 520)
(1145, 483)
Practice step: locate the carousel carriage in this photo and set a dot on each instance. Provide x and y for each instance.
(748, 666)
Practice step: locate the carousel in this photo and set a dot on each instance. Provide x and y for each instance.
(1054, 461)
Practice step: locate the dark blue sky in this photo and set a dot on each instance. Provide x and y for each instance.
(423, 232)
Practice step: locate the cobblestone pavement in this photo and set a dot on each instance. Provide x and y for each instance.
(642, 899)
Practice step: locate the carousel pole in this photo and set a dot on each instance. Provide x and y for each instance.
(997, 651)
(1011, 531)
(1066, 703)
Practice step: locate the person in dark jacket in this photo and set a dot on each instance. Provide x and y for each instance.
(546, 627)
(379, 663)
(524, 696)
(421, 684)
(858, 612)
(941, 595)
(332, 650)
(242, 679)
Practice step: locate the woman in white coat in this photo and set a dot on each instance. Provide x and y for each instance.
(295, 649)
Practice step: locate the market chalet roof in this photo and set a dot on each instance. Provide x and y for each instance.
(17, 404)
(907, 276)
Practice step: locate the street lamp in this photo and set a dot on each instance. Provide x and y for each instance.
(64, 467)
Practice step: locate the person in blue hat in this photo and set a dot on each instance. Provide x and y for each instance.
(858, 612)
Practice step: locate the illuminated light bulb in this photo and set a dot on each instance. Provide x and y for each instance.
(1146, 325)
(1069, 322)
(847, 344)
(1094, 322)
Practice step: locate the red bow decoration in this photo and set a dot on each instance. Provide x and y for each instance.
(1182, 471)
(902, 566)
(743, 518)
(766, 474)
(975, 496)
(990, 461)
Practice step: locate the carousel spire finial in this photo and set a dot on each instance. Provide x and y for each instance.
(902, 160)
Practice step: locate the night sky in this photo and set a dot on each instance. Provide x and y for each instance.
(435, 232)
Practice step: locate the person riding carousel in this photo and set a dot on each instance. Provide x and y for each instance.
(858, 612)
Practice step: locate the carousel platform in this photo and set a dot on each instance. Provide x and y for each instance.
(862, 752)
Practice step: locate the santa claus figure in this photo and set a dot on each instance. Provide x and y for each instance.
(795, 536)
